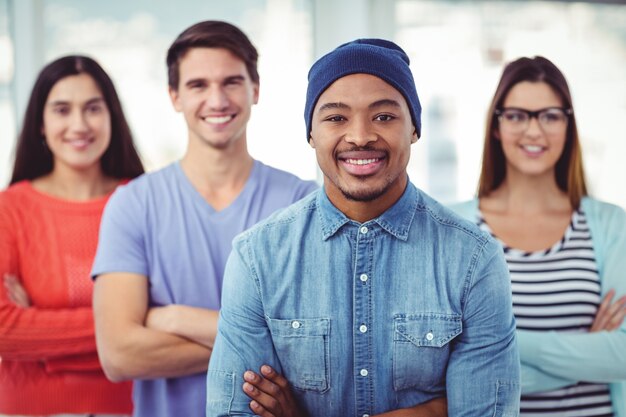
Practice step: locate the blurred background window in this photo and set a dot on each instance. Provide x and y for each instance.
(130, 40)
(457, 49)
(7, 102)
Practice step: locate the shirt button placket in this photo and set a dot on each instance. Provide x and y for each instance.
(362, 315)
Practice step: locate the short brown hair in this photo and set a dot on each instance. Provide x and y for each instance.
(211, 34)
(569, 172)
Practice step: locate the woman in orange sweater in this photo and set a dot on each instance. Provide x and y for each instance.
(74, 149)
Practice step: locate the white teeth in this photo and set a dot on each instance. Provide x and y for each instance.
(217, 119)
(360, 161)
(533, 148)
(79, 142)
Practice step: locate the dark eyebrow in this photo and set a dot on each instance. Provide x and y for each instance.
(226, 80)
(234, 78)
(67, 103)
(194, 81)
(94, 100)
(330, 106)
(376, 104)
(59, 103)
(384, 102)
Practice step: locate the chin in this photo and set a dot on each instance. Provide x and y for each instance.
(363, 195)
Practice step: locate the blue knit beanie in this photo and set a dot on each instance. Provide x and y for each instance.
(381, 58)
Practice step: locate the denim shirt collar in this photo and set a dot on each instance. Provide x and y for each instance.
(396, 220)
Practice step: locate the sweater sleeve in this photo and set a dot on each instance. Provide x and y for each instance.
(594, 357)
(35, 333)
(534, 380)
(39, 334)
(77, 363)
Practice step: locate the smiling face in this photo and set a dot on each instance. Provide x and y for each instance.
(362, 133)
(76, 123)
(215, 95)
(533, 151)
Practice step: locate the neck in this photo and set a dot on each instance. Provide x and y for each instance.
(208, 167)
(530, 194)
(360, 212)
(218, 175)
(72, 184)
(364, 211)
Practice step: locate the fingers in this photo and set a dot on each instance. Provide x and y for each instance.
(270, 394)
(609, 315)
(259, 410)
(263, 394)
(264, 385)
(269, 373)
(601, 317)
(15, 291)
(616, 312)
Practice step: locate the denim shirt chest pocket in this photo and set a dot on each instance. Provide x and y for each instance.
(302, 346)
(421, 347)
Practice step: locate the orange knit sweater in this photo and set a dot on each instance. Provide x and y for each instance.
(48, 354)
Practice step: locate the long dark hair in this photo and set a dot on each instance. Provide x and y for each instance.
(569, 172)
(33, 159)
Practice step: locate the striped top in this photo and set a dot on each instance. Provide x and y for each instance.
(559, 289)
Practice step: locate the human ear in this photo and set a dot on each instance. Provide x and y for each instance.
(255, 91)
(175, 98)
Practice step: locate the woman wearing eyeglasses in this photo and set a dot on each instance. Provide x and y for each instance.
(566, 251)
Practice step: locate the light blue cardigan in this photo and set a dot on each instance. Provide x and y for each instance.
(551, 360)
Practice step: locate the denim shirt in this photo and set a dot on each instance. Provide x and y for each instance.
(368, 318)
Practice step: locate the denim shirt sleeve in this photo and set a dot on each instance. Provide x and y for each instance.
(243, 341)
(483, 376)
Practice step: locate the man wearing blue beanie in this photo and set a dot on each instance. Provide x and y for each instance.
(367, 297)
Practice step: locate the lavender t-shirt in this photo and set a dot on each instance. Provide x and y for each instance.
(159, 226)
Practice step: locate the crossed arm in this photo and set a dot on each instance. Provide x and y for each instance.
(266, 393)
(271, 397)
(138, 342)
(548, 358)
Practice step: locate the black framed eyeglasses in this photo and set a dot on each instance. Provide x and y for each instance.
(516, 120)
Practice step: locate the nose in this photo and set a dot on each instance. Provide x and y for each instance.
(533, 128)
(217, 99)
(78, 122)
(360, 132)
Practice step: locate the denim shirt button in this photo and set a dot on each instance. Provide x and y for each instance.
(295, 324)
(366, 415)
(429, 336)
(363, 328)
(363, 277)
(364, 372)
(363, 229)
